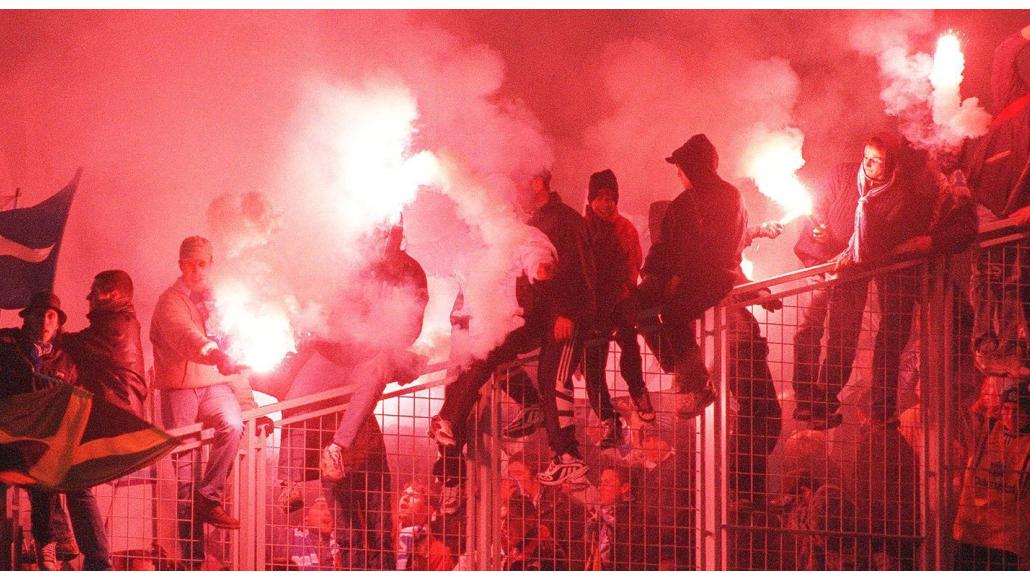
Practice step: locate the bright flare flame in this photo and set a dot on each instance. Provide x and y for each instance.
(259, 332)
(948, 63)
(377, 173)
(954, 119)
(772, 160)
(748, 268)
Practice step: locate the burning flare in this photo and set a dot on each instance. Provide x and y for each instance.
(772, 161)
(259, 332)
(954, 118)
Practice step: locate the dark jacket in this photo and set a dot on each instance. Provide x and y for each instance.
(109, 356)
(399, 269)
(955, 224)
(17, 365)
(537, 552)
(999, 162)
(617, 255)
(701, 240)
(835, 208)
(571, 293)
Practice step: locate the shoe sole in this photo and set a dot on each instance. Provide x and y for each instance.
(222, 526)
(521, 433)
(708, 400)
(578, 473)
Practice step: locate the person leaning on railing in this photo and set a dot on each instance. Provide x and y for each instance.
(895, 194)
(998, 165)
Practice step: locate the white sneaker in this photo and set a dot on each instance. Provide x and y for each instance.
(442, 431)
(332, 463)
(563, 468)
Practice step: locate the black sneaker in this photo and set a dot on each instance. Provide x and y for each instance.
(525, 423)
(825, 422)
(564, 467)
(644, 408)
(613, 433)
(450, 497)
(693, 404)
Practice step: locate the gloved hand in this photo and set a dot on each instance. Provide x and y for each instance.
(770, 229)
(264, 426)
(769, 305)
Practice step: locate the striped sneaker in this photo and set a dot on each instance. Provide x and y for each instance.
(564, 467)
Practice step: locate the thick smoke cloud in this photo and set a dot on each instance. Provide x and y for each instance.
(167, 111)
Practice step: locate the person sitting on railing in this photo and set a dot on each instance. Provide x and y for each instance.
(617, 254)
(691, 267)
(894, 205)
(198, 382)
(999, 176)
(758, 418)
(558, 305)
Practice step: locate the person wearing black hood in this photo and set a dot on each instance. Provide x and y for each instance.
(617, 254)
(692, 266)
(999, 177)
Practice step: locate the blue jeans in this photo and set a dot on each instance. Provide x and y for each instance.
(86, 522)
(216, 407)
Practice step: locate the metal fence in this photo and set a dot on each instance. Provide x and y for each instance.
(854, 429)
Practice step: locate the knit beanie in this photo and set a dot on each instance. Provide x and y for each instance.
(603, 180)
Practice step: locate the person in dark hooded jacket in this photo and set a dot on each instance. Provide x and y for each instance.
(617, 254)
(999, 177)
(692, 266)
(109, 352)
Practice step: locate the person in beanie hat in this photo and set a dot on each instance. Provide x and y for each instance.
(615, 244)
(692, 266)
(991, 525)
(28, 354)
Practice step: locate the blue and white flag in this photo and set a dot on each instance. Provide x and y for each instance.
(30, 239)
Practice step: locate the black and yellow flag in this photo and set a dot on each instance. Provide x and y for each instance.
(64, 439)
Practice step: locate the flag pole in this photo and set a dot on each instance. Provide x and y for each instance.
(17, 196)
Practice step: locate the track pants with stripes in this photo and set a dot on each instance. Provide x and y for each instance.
(558, 360)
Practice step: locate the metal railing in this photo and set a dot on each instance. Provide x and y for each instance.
(756, 489)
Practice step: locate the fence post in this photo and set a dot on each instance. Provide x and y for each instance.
(712, 487)
(244, 498)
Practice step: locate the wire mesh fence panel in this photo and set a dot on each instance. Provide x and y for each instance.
(825, 442)
(872, 421)
(987, 466)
